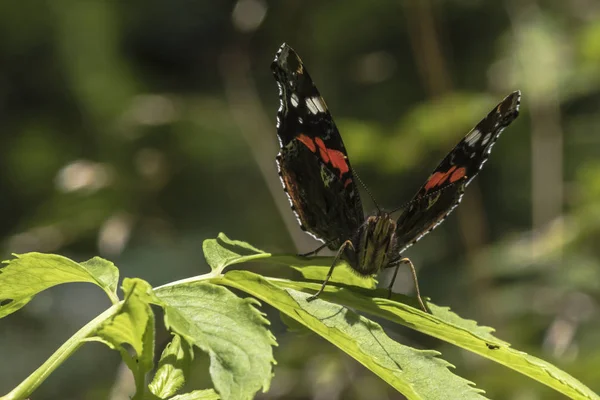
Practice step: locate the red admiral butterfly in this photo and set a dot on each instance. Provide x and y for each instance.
(317, 176)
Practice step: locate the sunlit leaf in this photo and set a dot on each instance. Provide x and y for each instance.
(28, 274)
(132, 325)
(172, 368)
(230, 329)
(293, 325)
(316, 268)
(207, 394)
(405, 368)
(223, 252)
(448, 326)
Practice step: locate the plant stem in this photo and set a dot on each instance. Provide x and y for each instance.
(33, 381)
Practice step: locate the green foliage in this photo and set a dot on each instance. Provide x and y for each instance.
(404, 368)
(447, 326)
(28, 274)
(133, 325)
(222, 252)
(172, 368)
(208, 394)
(228, 328)
(202, 312)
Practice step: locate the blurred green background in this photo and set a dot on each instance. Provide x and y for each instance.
(135, 129)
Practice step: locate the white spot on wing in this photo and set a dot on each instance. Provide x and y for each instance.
(473, 137)
(311, 106)
(279, 111)
(316, 105)
(294, 100)
(320, 104)
(486, 138)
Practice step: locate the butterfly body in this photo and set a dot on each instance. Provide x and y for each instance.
(374, 246)
(317, 176)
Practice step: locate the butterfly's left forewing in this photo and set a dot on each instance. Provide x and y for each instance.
(313, 163)
(444, 189)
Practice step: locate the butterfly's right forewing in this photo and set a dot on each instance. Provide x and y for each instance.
(444, 188)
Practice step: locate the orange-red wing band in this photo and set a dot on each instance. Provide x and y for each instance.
(338, 160)
(335, 157)
(440, 177)
(324, 155)
(322, 149)
(433, 181)
(307, 141)
(458, 174)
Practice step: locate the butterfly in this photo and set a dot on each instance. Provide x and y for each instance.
(322, 188)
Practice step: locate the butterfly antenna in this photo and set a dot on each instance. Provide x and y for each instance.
(408, 203)
(367, 190)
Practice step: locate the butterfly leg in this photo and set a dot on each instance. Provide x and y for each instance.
(314, 252)
(343, 247)
(414, 276)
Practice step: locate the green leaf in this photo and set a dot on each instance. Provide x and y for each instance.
(293, 325)
(448, 326)
(207, 394)
(173, 366)
(230, 329)
(223, 252)
(105, 273)
(316, 268)
(128, 322)
(132, 325)
(405, 368)
(28, 274)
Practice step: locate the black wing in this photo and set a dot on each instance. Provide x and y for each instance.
(313, 164)
(445, 187)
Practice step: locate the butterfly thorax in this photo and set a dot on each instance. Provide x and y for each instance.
(374, 245)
